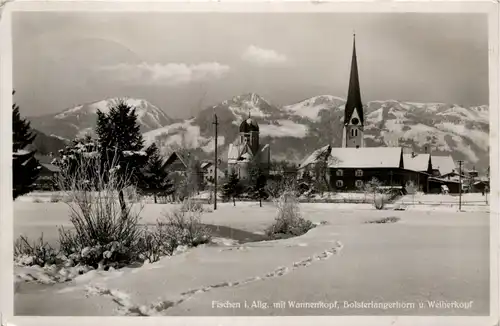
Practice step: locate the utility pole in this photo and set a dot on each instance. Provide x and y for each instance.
(460, 185)
(216, 162)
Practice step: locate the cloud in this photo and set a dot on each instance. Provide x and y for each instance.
(263, 57)
(171, 74)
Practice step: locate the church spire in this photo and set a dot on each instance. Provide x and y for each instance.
(354, 92)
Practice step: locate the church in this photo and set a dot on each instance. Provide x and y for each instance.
(351, 166)
(246, 151)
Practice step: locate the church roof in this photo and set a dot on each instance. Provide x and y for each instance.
(354, 92)
(236, 151)
(417, 162)
(365, 157)
(239, 152)
(444, 164)
(249, 125)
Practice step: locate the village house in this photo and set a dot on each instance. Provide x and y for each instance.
(208, 169)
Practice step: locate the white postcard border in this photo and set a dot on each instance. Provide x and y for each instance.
(6, 221)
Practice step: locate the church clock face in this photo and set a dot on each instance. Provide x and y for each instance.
(355, 121)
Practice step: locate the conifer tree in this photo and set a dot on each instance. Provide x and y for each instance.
(25, 166)
(232, 188)
(154, 178)
(120, 140)
(257, 183)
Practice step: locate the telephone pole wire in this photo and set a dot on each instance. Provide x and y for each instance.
(216, 162)
(460, 185)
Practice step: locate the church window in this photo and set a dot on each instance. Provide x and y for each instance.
(339, 183)
(359, 183)
(340, 173)
(352, 132)
(355, 132)
(359, 173)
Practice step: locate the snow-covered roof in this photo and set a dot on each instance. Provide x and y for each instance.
(239, 152)
(444, 164)
(205, 164)
(417, 162)
(365, 157)
(21, 152)
(313, 158)
(173, 157)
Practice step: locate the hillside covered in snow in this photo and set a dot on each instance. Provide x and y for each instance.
(294, 131)
(81, 119)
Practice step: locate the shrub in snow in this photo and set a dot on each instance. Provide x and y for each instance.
(102, 223)
(379, 201)
(384, 220)
(289, 221)
(190, 205)
(38, 253)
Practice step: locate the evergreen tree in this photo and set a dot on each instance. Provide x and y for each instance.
(120, 141)
(25, 167)
(22, 135)
(257, 183)
(154, 178)
(232, 188)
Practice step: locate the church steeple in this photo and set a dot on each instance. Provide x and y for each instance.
(353, 114)
(354, 93)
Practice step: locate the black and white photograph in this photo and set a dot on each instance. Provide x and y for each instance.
(279, 163)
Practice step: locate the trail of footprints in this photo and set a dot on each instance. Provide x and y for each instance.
(126, 307)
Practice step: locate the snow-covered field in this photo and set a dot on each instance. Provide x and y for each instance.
(426, 256)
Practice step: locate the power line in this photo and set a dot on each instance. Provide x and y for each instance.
(460, 185)
(216, 124)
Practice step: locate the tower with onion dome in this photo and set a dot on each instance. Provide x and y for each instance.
(246, 150)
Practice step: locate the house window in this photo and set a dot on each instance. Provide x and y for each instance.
(340, 173)
(359, 183)
(339, 183)
(359, 173)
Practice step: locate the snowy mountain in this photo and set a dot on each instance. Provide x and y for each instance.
(295, 131)
(81, 119)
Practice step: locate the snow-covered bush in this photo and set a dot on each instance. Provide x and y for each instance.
(107, 231)
(38, 253)
(374, 187)
(182, 228)
(379, 201)
(289, 221)
(190, 205)
(384, 220)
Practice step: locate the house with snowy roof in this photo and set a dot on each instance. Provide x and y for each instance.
(443, 165)
(246, 150)
(177, 162)
(208, 170)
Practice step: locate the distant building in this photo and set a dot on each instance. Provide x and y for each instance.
(247, 150)
(208, 169)
(47, 176)
(177, 163)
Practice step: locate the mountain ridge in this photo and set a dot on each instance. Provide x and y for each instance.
(296, 130)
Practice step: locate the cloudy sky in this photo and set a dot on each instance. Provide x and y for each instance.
(183, 62)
